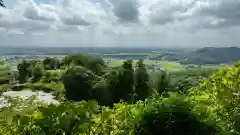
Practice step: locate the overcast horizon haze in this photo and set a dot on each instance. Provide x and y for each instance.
(120, 23)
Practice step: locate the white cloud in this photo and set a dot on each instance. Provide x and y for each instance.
(40, 13)
(121, 22)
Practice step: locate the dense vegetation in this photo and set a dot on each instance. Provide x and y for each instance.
(127, 100)
(5, 73)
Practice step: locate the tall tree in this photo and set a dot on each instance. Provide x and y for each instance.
(1, 3)
(38, 72)
(90, 62)
(50, 63)
(112, 80)
(163, 83)
(124, 87)
(25, 70)
(102, 92)
(142, 88)
(78, 83)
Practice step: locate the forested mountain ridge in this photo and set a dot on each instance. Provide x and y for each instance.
(207, 55)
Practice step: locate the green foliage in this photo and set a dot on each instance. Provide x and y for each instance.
(37, 72)
(203, 72)
(125, 83)
(207, 111)
(142, 86)
(25, 69)
(93, 63)
(237, 64)
(51, 63)
(66, 118)
(115, 85)
(4, 88)
(107, 84)
(78, 82)
(6, 75)
(163, 83)
(47, 87)
(224, 88)
(170, 115)
(53, 76)
(102, 92)
(126, 102)
(184, 85)
(183, 81)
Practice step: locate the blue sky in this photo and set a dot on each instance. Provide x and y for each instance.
(47, 1)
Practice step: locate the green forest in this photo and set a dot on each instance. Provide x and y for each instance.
(95, 99)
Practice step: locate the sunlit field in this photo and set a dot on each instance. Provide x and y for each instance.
(170, 66)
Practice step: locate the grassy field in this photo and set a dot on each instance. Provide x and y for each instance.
(169, 66)
(129, 54)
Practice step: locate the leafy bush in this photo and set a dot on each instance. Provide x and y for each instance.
(90, 62)
(51, 63)
(173, 116)
(4, 88)
(37, 72)
(53, 76)
(169, 115)
(66, 118)
(6, 75)
(47, 87)
(223, 88)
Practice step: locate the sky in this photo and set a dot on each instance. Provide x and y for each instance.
(125, 23)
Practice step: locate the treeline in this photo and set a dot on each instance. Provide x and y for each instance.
(88, 78)
(98, 100)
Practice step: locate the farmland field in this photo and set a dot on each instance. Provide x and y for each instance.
(170, 66)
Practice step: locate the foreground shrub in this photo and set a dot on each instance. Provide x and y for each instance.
(66, 118)
(172, 116)
(224, 93)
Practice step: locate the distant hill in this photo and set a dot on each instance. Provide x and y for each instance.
(207, 55)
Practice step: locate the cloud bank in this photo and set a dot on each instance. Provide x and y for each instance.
(163, 23)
